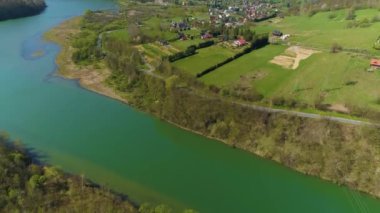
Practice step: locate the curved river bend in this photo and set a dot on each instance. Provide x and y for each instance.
(132, 152)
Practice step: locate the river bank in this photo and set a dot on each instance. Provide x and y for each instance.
(89, 77)
(309, 146)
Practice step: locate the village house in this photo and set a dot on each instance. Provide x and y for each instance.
(259, 11)
(375, 63)
(285, 37)
(277, 33)
(206, 36)
(240, 42)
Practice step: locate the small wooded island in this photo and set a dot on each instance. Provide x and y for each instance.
(10, 9)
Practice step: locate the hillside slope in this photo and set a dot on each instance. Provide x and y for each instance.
(20, 8)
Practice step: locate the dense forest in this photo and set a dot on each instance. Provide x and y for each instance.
(20, 8)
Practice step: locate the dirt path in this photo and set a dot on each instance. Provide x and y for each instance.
(292, 57)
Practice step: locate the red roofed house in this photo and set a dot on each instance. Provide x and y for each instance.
(241, 42)
(206, 36)
(375, 63)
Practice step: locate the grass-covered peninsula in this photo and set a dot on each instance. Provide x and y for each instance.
(241, 82)
(10, 9)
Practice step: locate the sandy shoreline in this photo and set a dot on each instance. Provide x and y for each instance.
(88, 77)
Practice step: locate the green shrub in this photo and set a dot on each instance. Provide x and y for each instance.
(376, 18)
(335, 48)
(332, 15)
(351, 14)
(377, 44)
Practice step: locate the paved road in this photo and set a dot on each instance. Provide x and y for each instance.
(309, 115)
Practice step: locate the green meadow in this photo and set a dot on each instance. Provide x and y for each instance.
(331, 78)
(340, 78)
(325, 28)
(183, 45)
(205, 58)
(121, 35)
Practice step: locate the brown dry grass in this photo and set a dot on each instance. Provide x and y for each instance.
(292, 57)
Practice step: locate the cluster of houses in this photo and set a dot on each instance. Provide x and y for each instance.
(247, 11)
(206, 35)
(236, 43)
(227, 16)
(258, 11)
(240, 42)
(179, 26)
(230, 16)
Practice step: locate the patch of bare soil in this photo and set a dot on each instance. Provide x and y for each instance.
(292, 57)
(284, 61)
(339, 108)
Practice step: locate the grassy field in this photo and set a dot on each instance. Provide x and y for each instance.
(152, 27)
(121, 35)
(339, 78)
(254, 62)
(182, 45)
(336, 79)
(205, 58)
(325, 28)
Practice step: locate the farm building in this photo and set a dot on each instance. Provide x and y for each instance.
(375, 63)
(285, 36)
(277, 33)
(206, 36)
(240, 42)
